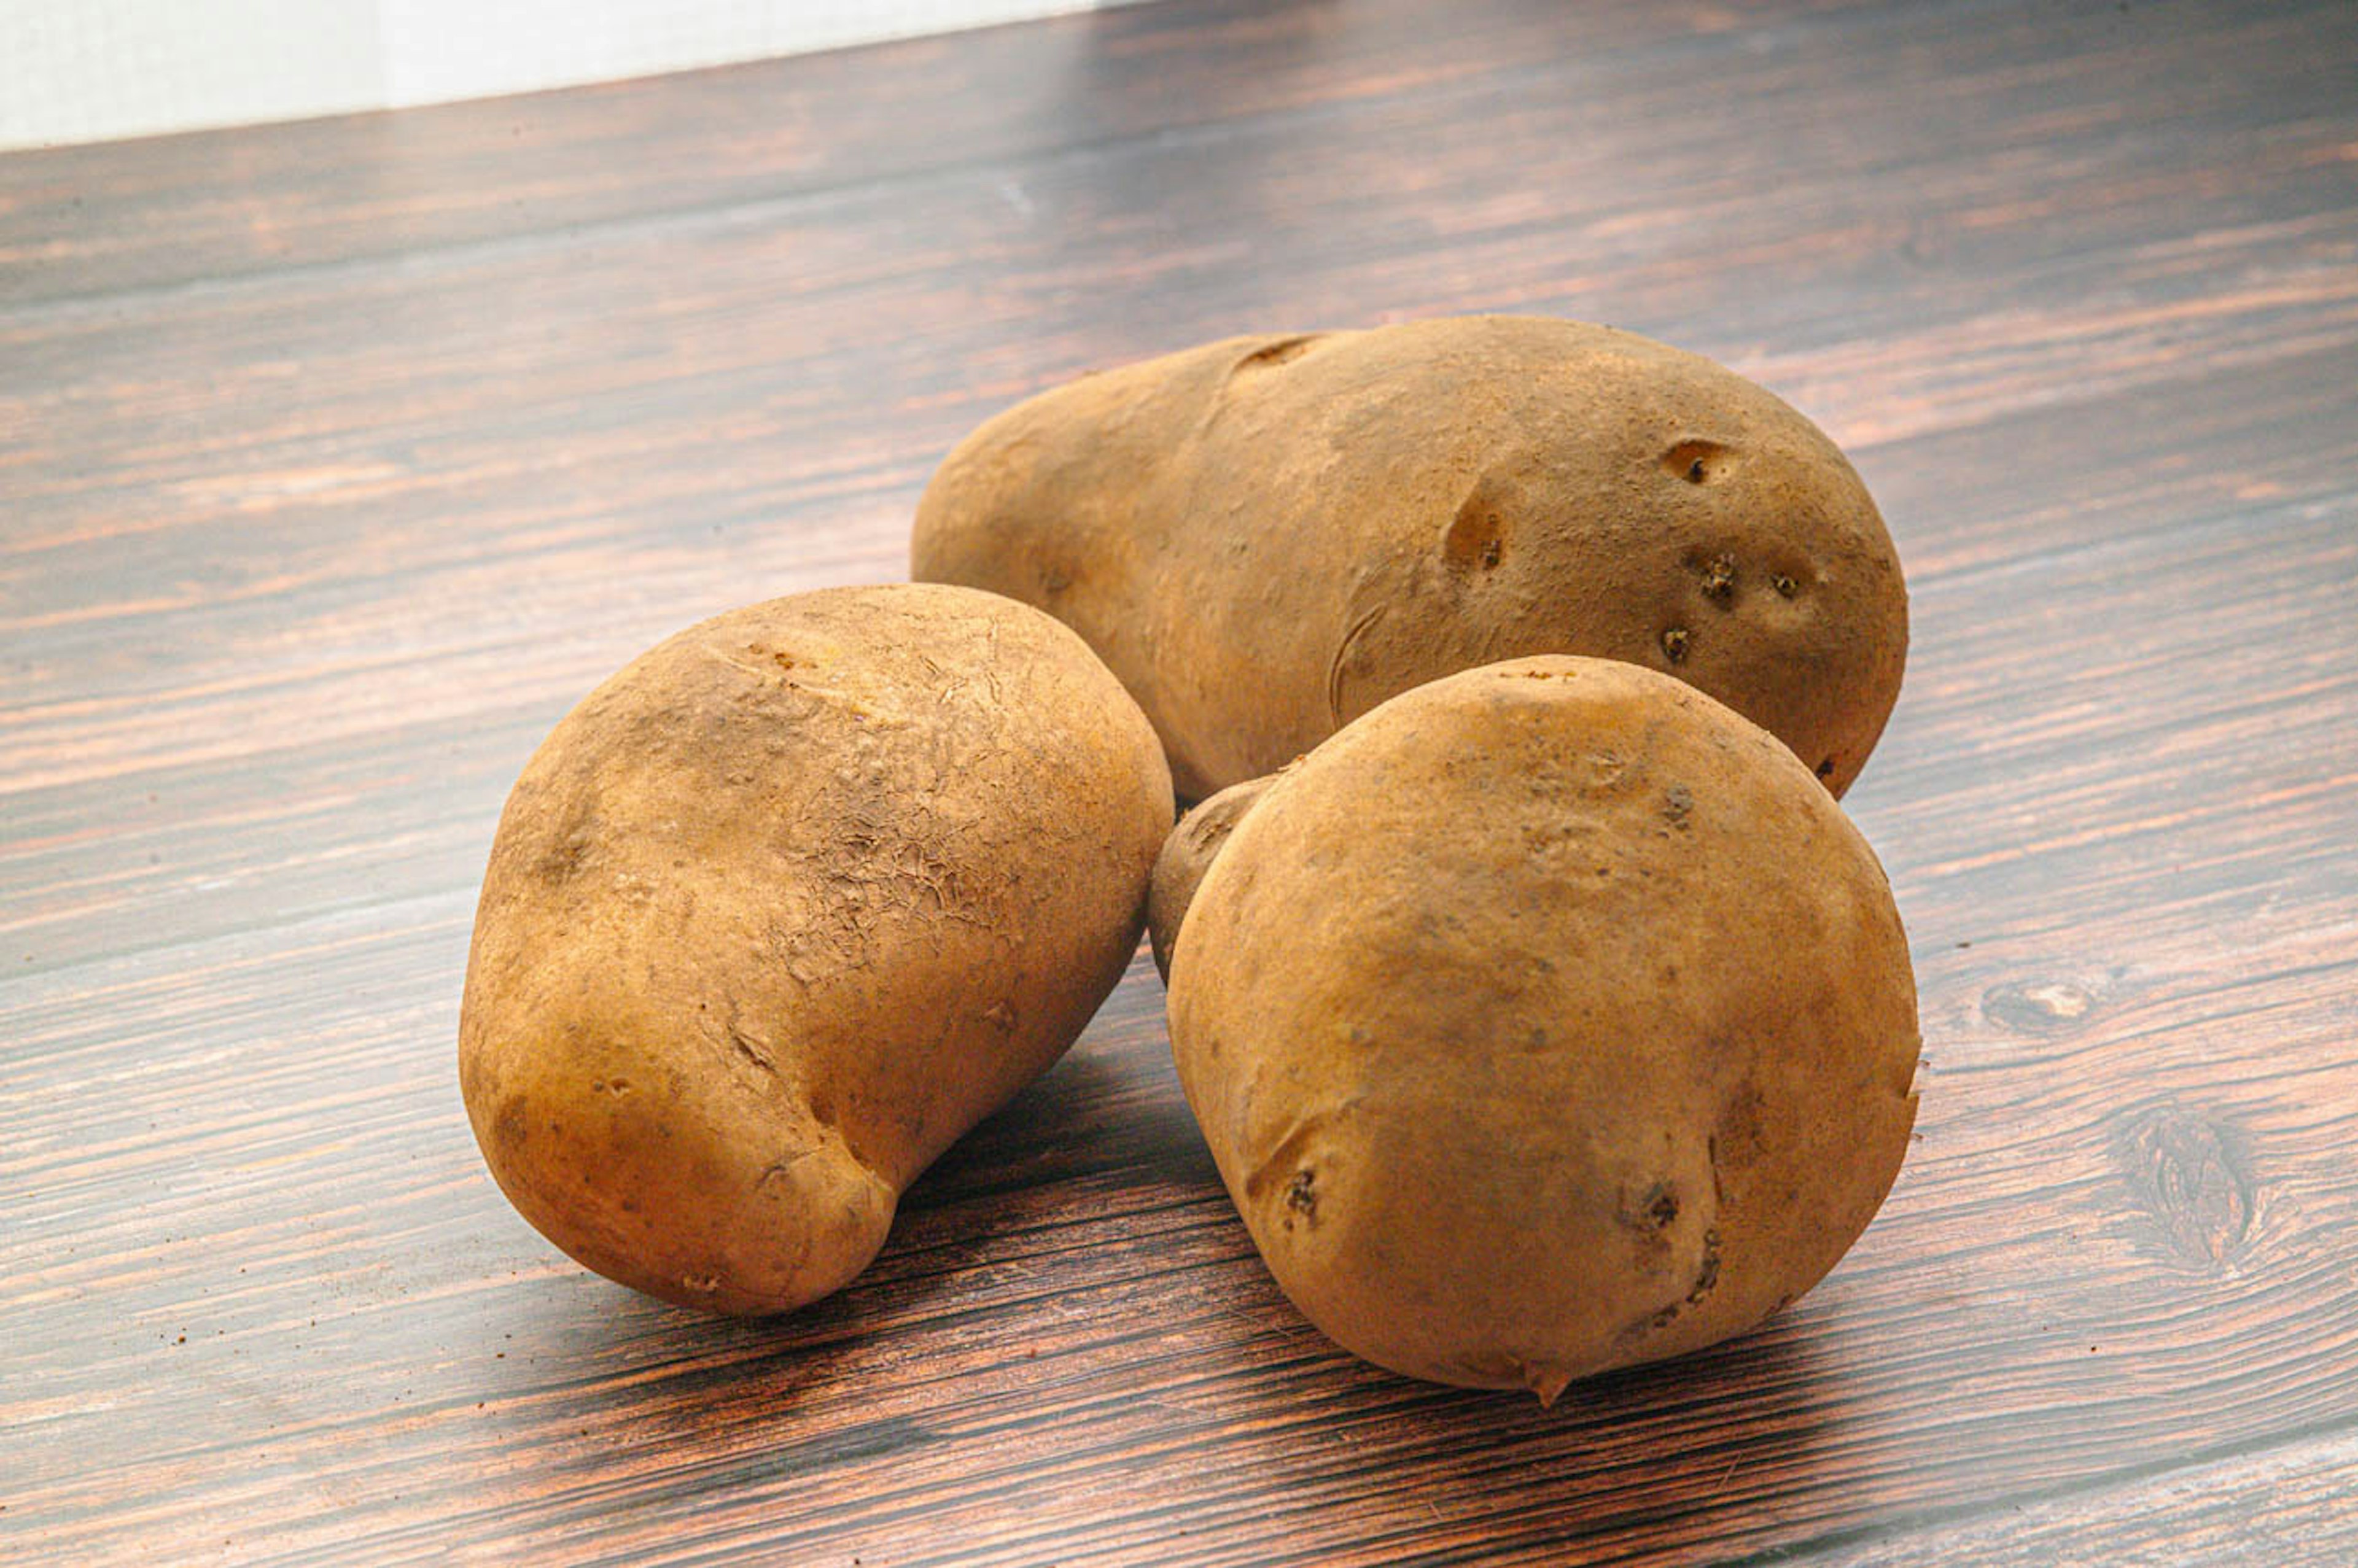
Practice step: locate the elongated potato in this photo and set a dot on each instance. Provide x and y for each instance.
(1547, 1018)
(780, 910)
(1266, 536)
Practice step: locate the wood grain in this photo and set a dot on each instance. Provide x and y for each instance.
(337, 459)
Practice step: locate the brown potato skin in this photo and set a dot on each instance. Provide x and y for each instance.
(1186, 855)
(780, 911)
(1548, 1018)
(1266, 536)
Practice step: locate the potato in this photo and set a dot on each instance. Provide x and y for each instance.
(1267, 537)
(1186, 855)
(1547, 1018)
(780, 911)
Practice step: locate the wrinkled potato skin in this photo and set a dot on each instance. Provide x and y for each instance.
(1547, 1019)
(1266, 536)
(780, 911)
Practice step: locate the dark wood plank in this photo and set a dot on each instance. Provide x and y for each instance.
(2286, 1505)
(336, 459)
(584, 409)
(1083, 1231)
(282, 829)
(197, 208)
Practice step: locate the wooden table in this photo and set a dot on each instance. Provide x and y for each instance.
(337, 459)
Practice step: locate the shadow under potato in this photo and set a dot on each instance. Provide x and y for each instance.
(1099, 1113)
(1060, 1194)
(1105, 1129)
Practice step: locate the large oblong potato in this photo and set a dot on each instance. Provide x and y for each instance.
(1546, 1020)
(780, 911)
(1266, 536)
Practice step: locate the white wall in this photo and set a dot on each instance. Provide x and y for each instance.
(78, 70)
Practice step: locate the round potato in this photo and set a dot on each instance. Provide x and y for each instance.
(1547, 1018)
(780, 911)
(1267, 537)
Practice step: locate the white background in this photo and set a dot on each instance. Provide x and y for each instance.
(77, 70)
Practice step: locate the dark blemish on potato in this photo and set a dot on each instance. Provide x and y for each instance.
(1785, 585)
(1477, 534)
(616, 1087)
(1651, 1211)
(511, 1127)
(1696, 462)
(1270, 355)
(1296, 1152)
(1302, 1194)
(1708, 1275)
(1678, 803)
(1826, 769)
(1719, 580)
(1674, 644)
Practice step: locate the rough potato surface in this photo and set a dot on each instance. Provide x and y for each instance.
(1266, 536)
(1546, 1020)
(781, 909)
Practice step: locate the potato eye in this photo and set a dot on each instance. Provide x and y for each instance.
(1695, 460)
